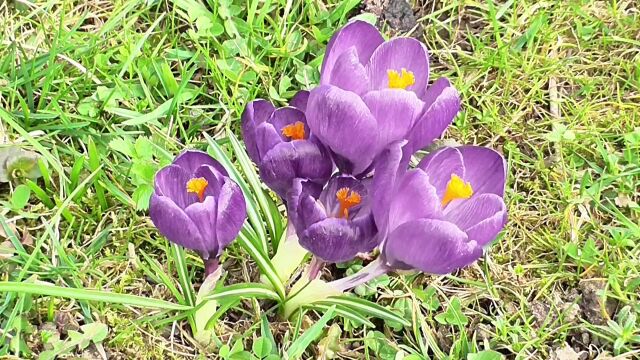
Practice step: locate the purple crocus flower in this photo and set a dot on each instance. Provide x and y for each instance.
(281, 144)
(439, 216)
(334, 223)
(196, 205)
(374, 92)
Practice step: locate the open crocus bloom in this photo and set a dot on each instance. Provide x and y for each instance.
(373, 93)
(334, 223)
(196, 205)
(439, 216)
(281, 144)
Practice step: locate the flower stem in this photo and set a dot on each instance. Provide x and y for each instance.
(210, 266)
(375, 268)
(315, 267)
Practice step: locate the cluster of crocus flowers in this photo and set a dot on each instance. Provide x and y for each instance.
(339, 156)
(195, 204)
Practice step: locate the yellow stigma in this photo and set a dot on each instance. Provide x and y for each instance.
(347, 199)
(294, 131)
(197, 186)
(400, 80)
(456, 189)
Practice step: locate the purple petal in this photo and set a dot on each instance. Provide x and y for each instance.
(485, 169)
(434, 91)
(296, 159)
(338, 117)
(481, 217)
(389, 168)
(348, 73)
(431, 246)
(398, 54)
(468, 213)
(440, 165)
(364, 221)
(171, 181)
(254, 114)
(203, 215)
(395, 111)
(266, 138)
(232, 213)
(190, 160)
(303, 208)
(364, 37)
(299, 100)
(174, 224)
(487, 230)
(445, 104)
(334, 240)
(416, 198)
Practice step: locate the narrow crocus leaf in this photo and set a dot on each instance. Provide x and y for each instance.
(239, 291)
(262, 260)
(274, 223)
(298, 347)
(46, 289)
(366, 307)
(344, 311)
(309, 293)
(252, 208)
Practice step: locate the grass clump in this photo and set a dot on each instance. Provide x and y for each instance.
(105, 92)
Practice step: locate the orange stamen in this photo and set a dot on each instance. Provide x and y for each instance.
(456, 189)
(197, 186)
(294, 131)
(347, 199)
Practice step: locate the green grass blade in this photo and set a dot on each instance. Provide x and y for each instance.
(366, 307)
(252, 213)
(298, 347)
(237, 291)
(94, 163)
(157, 271)
(263, 261)
(256, 185)
(343, 311)
(183, 274)
(87, 295)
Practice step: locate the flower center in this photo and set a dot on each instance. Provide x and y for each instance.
(197, 186)
(400, 80)
(347, 199)
(294, 131)
(456, 189)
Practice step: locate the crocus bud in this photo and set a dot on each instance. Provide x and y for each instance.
(196, 205)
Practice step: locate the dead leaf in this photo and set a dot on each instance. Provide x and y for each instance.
(625, 201)
(330, 346)
(27, 239)
(65, 322)
(566, 353)
(7, 250)
(3, 234)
